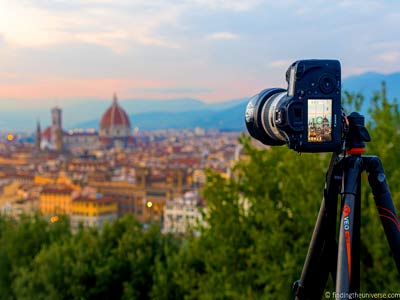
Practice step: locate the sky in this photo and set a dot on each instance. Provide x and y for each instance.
(213, 50)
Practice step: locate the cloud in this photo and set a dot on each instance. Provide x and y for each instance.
(389, 57)
(223, 35)
(230, 5)
(280, 63)
(2, 41)
(171, 90)
(118, 26)
(58, 87)
(361, 5)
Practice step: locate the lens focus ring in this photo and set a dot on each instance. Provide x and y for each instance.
(268, 117)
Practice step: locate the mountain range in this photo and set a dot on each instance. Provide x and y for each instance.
(178, 113)
(370, 82)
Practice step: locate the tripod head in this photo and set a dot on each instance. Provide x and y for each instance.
(356, 134)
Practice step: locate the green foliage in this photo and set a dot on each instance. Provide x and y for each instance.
(253, 245)
(383, 125)
(384, 129)
(116, 263)
(20, 242)
(258, 227)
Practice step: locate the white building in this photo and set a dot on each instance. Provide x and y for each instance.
(182, 213)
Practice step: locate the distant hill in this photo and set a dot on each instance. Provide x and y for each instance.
(368, 83)
(225, 119)
(90, 110)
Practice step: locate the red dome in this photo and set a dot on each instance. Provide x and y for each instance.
(115, 115)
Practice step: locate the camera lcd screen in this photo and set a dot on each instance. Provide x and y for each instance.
(319, 120)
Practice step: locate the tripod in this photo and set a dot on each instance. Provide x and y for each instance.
(342, 259)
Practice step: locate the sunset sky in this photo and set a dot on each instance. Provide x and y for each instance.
(213, 50)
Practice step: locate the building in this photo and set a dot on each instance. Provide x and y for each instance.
(81, 140)
(19, 207)
(55, 138)
(147, 196)
(38, 136)
(114, 132)
(9, 196)
(56, 200)
(182, 213)
(115, 127)
(146, 203)
(56, 129)
(19, 198)
(129, 198)
(93, 211)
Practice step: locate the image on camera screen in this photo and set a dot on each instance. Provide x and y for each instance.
(319, 120)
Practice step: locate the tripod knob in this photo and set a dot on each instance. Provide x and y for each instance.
(358, 133)
(297, 289)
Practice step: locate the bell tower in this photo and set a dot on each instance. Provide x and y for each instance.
(56, 129)
(38, 136)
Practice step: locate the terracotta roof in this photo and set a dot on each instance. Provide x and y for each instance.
(57, 190)
(74, 134)
(24, 175)
(97, 200)
(114, 115)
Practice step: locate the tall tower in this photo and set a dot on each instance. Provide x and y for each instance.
(38, 136)
(56, 117)
(56, 129)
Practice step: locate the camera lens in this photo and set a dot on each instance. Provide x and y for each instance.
(260, 116)
(326, 83)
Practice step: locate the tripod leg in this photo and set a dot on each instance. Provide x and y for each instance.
(322, 248)
(384, 203)
(347, 279)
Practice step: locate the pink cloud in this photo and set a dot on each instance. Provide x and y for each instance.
(62, 88)
(68, 88)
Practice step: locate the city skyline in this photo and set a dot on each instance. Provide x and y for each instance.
(53, 51)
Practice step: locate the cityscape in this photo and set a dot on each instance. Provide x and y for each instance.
(132, 168)
(97, 175)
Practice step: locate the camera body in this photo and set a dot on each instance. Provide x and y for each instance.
(307, 116)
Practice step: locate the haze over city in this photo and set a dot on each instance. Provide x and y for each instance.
(60, 52)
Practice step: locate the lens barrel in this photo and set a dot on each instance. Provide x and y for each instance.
(261, 116)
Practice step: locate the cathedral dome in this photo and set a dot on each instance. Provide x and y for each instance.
(115, 116)
(115, 127)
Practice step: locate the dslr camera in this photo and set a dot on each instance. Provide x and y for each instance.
(307, 116)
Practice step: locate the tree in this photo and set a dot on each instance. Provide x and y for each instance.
(378, 269)
(115, 263)
(20, 242)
